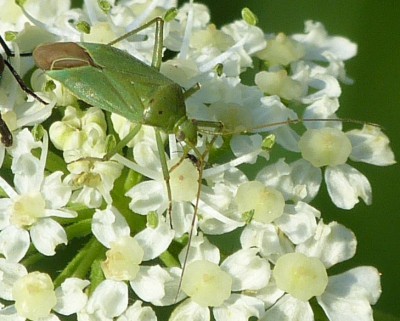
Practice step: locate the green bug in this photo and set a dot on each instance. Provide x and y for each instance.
(115, 81)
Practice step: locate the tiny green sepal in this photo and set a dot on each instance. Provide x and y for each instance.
(105, 6)
(170, 14)
(38, 132)
(249, 16)
(248, 216)
(268, 142)
(10, 35)
(83, 26)
(152, 220)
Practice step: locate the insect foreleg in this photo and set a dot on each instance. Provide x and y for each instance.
(123, 142)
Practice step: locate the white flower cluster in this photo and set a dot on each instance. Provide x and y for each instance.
(135, 256)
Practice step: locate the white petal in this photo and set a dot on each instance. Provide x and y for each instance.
(46, 234)
(322, 109)
(60, 213)
(289, 309)
(109, 225)
(326, 86)
(10, 272)
(23, 143)
(371, 146)
(200, 249)
(305, 176)
(146, 155)
(14, 243)
(189, 310)
(348, 295)
(239, 308)
(302, 215)
(248, 270)
(70, 296)
(147, 196)
(287, 138)
(150, 282)
(171, 286)
(110, 299)
(332, 243)
(270, 294)
(265, 238)
(345, 184)
(9, 313)
(182, 216)
(28, 174)
(155, 241)
(318, 41)
(55, 192)
(136, 312)
(241, 145)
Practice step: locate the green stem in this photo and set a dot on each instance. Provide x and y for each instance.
(79, 229)
(169, 260)
(80, 264)
(31, 259)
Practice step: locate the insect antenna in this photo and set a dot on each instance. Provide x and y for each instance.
(6, 136)
(17, 77)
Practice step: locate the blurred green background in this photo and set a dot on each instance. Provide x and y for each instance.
(375, 96)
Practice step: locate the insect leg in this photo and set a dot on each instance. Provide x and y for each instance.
(158, 43)
(200, 163)
(164, 166)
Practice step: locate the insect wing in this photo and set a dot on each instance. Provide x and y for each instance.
(117, 82)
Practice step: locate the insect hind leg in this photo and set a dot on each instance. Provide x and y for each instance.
(158, 42)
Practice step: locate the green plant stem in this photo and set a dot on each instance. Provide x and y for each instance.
(80, 264)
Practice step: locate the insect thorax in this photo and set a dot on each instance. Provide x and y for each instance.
(165, 108)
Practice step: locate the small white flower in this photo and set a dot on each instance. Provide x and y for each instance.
(331, 147)
(293, 273)
(70, 296)
(109, 300)
(281, 50)
(317, 41)
(209, 285)
(126, 253)
(280, 84)
(29, 208)
(80, 134)
(35, 297)
(93, 180)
